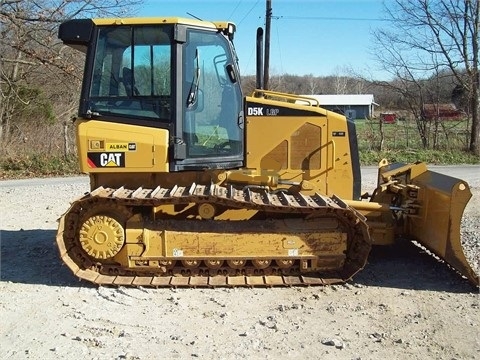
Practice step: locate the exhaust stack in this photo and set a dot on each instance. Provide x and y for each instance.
(259, 72)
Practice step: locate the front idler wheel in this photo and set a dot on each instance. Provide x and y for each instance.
(101, 236)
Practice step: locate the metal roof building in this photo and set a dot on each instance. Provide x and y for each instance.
(355, 106)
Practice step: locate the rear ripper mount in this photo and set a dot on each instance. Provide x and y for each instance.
(212, 236)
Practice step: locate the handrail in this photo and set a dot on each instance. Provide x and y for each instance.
(333, 154)
(285, 97)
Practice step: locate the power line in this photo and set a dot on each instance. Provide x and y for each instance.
(327, 18)
(233, 11)
(249, 11)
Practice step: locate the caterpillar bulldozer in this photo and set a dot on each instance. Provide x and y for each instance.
(193, 184)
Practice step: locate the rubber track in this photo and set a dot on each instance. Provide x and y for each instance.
(246, 198)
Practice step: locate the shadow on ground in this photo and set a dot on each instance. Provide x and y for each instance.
(31, 257)
(407, 266)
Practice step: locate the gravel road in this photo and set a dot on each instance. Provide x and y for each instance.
(404, 305)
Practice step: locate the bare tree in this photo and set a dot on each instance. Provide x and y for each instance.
(425, 37)
(39, 76)
(340, 81)
(312, 84)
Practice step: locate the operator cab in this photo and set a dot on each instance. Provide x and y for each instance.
(177, 74)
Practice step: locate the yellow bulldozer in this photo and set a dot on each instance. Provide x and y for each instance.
(194, 184)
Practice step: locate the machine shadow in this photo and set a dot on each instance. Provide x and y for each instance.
(407, 266)
(31, 257)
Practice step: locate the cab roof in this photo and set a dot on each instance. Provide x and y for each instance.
(220, 25)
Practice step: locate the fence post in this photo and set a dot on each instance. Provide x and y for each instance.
(66, 145)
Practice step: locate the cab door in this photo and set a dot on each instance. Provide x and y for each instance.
(210, 133)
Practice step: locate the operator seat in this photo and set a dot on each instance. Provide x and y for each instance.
(129, 82)
(228, 117)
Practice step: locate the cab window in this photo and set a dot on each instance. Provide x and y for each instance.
(132, 72)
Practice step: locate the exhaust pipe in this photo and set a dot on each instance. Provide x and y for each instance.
(259, 72)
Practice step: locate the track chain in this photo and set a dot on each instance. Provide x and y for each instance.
(255, 198)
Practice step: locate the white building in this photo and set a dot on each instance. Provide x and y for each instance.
(354, 106)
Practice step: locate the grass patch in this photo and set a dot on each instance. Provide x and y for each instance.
(436, 157)
(402, 143)
(38, 166)
(404, 135)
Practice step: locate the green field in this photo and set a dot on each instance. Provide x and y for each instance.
(447, 142)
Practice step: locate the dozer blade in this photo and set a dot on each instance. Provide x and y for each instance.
(442, 201)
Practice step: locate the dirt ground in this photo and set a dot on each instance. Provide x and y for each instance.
(403, 305)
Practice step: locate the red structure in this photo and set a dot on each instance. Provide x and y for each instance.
(442, 112)
(388, 117)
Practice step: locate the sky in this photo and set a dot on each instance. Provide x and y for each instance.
(318, 37)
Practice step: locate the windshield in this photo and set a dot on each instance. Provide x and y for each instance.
(132, 72)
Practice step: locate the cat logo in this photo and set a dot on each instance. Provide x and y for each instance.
(109, 159)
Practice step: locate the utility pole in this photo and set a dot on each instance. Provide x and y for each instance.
(266, 70)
